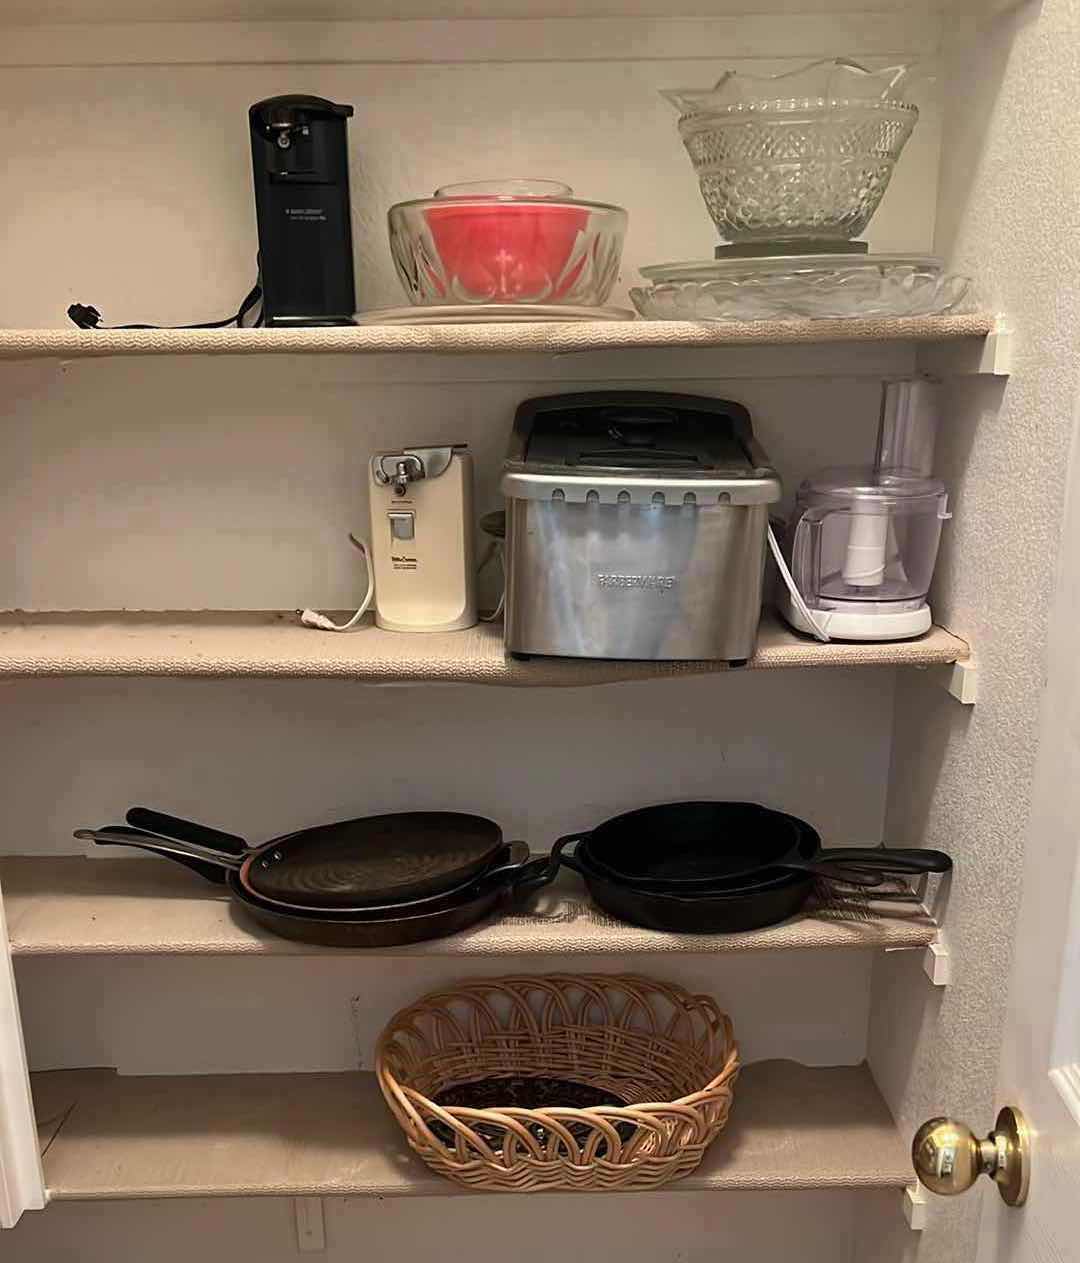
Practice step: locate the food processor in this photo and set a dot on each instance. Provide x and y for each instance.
(862, 553)
(863, 541)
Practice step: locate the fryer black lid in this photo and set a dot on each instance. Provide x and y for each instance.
(635, 430)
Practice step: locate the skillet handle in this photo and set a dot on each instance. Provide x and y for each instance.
(560, 856)
(518, 855)
(206, 863)
(523, 873)
(185, 830)
(533, 875)
(888, 859)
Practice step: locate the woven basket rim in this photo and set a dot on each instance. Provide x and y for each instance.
(675, 994)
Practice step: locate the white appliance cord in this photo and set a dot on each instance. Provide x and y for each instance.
(494, 551)
(796, 595)
(312, 618)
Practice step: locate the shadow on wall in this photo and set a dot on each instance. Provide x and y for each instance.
(958, 429)
(982, 65)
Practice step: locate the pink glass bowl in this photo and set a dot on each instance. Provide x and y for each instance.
(510, 241)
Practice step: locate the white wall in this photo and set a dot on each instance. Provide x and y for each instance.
(631, 1228)
(263, 758)
(231, 483)
(129, 187)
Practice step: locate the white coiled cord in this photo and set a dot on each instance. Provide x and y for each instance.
(312, 618)
(796, 595)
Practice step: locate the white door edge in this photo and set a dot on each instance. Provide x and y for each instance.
(22, 1183)
(1066, 1079)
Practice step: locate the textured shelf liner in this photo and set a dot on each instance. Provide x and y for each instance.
(74, 906)
(312, 1135)
(274, 645)
(552, 339)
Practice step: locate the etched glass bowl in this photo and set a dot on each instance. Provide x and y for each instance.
(803, 156)
(508, 241)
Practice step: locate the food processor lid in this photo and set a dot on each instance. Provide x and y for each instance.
(643, 446)
(848, 486)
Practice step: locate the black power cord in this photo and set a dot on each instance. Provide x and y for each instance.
(87, 317)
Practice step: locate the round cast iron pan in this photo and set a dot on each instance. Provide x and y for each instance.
(692, 847)
(374, 859)
(716, 912)
(483, 899)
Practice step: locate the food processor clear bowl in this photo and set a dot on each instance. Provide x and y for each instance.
(507, 241)
(867, 539)
(802, 156)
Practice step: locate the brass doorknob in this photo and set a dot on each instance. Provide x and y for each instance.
(949, 1157)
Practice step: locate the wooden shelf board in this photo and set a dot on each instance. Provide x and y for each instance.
(75, 906)
(275, 646)
(540, 338)
(321, 1135)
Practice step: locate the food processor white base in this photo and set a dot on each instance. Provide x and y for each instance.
(860, 625)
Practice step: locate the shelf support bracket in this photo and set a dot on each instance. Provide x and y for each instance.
(937, 963)
(990, 356)
(310, 1226)
(959, 680)
(916, 1207)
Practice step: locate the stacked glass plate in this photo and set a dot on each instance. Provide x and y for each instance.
(799, 286)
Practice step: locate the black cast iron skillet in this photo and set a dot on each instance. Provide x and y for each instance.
(685, 848)
(221, 868)
(386, 926)
(742, 905)
(372, 860)
(486, 897)
(727, 912)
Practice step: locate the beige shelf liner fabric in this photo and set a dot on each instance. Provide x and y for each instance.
(314, 1135)
(74, 906)
(274, 645)
(551, 339)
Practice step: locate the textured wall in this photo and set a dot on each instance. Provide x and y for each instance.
(1010, 210)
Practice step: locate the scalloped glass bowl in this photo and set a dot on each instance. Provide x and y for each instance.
(799, 288)
(507, 241)
(806, 155)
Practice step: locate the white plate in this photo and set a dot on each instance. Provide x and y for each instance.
(492, 313)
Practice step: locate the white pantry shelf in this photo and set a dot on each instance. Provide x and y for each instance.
(274, 646)
(324, 1135)
(75, 906)
(544, 339)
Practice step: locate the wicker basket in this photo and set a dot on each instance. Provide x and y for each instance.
(669, 1054)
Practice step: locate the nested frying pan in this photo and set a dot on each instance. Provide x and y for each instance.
(370, 862)
(391, 925)
(697, 847)
(484, 898)
(742, 905)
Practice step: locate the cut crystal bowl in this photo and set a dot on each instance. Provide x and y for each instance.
(806, 155)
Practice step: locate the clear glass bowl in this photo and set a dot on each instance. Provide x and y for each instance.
(800, 287)
(806, 155)
(507, 241)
